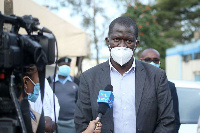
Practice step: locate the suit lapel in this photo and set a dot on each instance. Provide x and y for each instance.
(105, 80)
(140, 76)
(105, 75)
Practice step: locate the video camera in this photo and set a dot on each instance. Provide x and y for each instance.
(17, 50)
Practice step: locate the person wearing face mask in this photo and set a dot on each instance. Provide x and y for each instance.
(66, 92)
(152, 56)
(48, 107)
(34, 120)
(143, 102)
(32, 90)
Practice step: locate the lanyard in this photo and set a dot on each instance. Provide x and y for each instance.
(32, 115)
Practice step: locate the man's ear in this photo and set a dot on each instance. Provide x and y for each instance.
(25, 81)
(107, 41)
(137, 43)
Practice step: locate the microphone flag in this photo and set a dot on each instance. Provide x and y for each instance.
(106, 97)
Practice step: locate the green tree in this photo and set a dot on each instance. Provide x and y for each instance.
(150, 34)
(179, 18)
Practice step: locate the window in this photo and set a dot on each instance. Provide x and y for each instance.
(197, 56)
(197, 77)
(187, 58)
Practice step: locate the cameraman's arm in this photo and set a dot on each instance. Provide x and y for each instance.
(49, 100)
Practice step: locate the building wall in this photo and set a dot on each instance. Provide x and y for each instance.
(173, 67)
(176, 68)
(190, 69)
(89, 63)
(183, 61)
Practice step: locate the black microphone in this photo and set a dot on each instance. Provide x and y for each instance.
(105, 100)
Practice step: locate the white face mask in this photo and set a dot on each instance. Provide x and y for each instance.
(121, 55)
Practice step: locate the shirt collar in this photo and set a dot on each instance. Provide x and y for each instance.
(132, 67)
(68, 78)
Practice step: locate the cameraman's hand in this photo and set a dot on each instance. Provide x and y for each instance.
(53, 128)
(92, 128)
(48, 124)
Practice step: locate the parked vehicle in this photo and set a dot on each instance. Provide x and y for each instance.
(189, 104)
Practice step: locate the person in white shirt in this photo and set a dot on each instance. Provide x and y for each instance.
(48, 107)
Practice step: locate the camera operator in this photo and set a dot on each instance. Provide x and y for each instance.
(48, 108)
(32, 89)
(18, 54)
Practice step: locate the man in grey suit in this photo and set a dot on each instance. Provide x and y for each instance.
(142, 104)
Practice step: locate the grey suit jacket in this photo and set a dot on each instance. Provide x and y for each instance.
(154, 107)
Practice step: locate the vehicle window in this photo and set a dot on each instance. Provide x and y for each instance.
(189, 105)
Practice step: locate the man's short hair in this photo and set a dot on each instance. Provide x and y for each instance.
(142, 53)
(65, 59)
(29, 70)
(125, 21)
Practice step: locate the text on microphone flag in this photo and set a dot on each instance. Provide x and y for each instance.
(106, 97)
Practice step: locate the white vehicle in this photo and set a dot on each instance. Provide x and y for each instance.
(189, 104)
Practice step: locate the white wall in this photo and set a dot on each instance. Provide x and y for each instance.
(190, 69)
(88, 63)
(173, 67)
(178, 69)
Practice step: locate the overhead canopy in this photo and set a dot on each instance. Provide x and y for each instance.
(71, 40)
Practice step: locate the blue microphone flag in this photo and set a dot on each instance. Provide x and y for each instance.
(106, 97)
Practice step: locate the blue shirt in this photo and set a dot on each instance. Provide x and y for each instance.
(124, 114)
(63, 81)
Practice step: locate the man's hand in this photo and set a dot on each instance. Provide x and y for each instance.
(53, 128)
(49, 125)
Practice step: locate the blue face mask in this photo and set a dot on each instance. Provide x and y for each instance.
(33, 96)
(154, 64)
(64, 70)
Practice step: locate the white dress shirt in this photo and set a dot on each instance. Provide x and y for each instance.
(124, 114)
